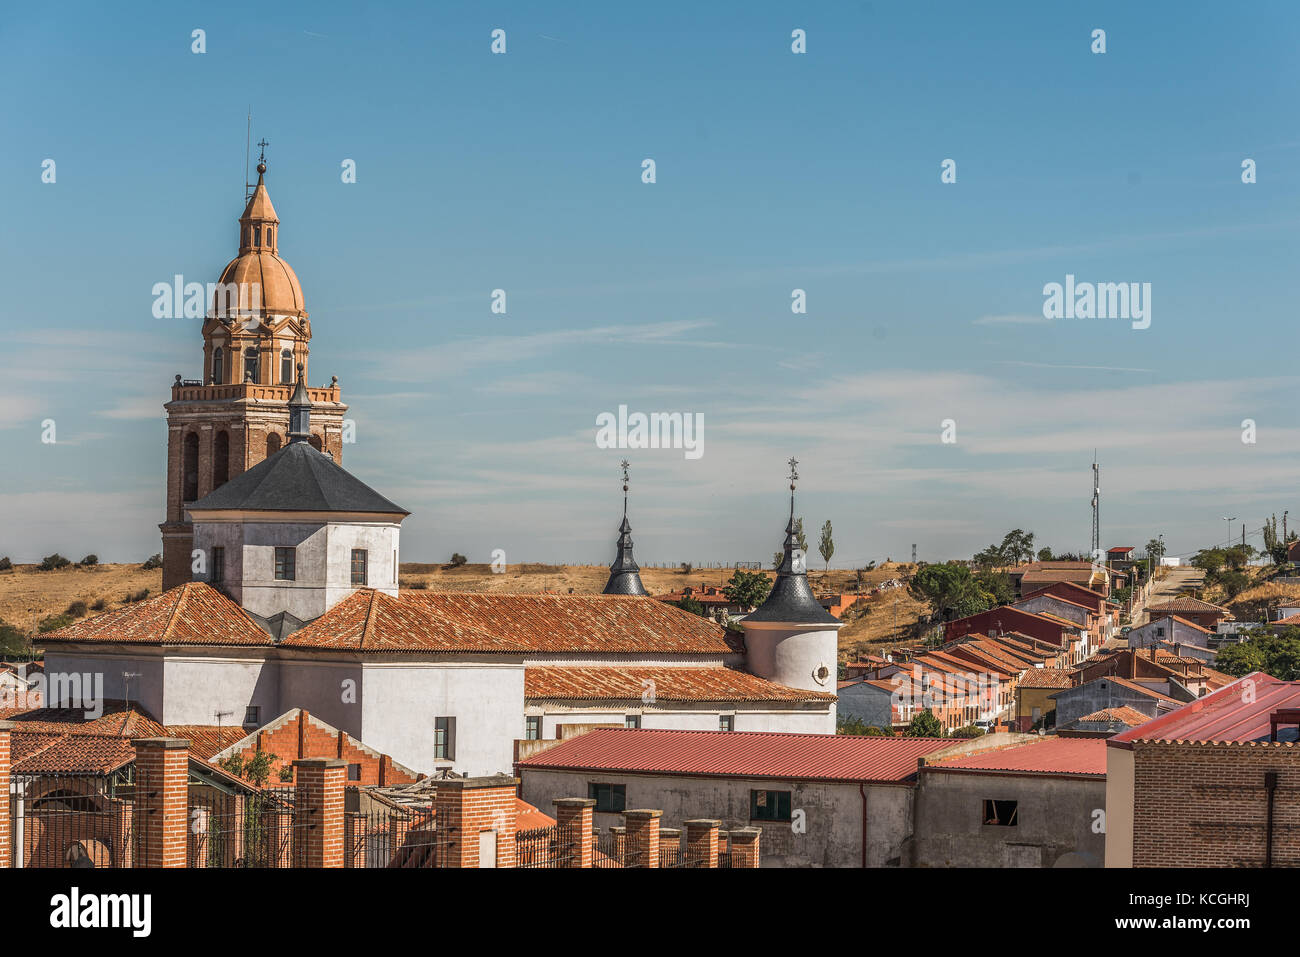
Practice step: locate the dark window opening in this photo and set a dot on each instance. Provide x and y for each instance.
(190, 468)
(769, 805)
(286, 367)
(727, 722)
(216, 366)
(533, 727)
(354, 772)
(253, 714)
(250, 365)
(609, 798)
(632, 721)
(358, 566)
(218, 565)
(1000, 813)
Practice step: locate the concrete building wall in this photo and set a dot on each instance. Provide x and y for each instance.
(1054, 606)
(872, 705)
(401, 700)
(1167, 629)
(1119, 807)
(829, 833)
(687, 716)
(332, 690)
(1055, 816)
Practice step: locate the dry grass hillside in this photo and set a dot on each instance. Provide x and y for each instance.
(27, 595)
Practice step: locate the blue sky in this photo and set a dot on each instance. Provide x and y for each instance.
(775, 171)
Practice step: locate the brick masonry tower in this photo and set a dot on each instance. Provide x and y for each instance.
(237, 414)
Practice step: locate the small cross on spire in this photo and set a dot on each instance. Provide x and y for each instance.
(794, 472)
(624, 465)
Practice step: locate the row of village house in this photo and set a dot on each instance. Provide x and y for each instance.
(1128, 785)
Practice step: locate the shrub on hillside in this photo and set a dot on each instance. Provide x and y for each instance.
(77, 609)
(52, 562)
(99, 605)
(89, 560)
(457, 559)
(135, 596)
(154, 561)
(5, 564)
(54, 623)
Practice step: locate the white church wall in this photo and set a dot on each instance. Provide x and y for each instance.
(330, 690)
(196, 688)
(400, 702)
(145, 688)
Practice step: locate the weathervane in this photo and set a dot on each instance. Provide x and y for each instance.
(624, 465)
(794, 473)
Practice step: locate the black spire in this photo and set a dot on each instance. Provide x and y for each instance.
(625, 573)
(299, 412)
(791, 598)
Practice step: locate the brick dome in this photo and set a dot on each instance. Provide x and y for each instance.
(259, 260)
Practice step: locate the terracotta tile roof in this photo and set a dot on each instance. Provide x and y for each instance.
(530, 817)
(669, 684)
(1187, 604)
(448, 621)
(117, 719)
(206, 740)
(1053, 755)
(1046, 678)
(1288, 620)
(743, 754)
(1224, 715)
(54, 753)
(1130, 717)
(191, 614)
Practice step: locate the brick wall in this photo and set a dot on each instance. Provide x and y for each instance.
(1205, 805)
(302, 736)
(162, 801)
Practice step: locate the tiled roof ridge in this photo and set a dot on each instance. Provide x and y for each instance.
(1217, 744)
(175, 612)
(368, 629)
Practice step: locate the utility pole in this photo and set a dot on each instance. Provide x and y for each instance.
(1096, 505)
(1230, 521)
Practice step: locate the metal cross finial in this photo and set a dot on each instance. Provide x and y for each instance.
(263, 144)
(794, 472)
(624, 465)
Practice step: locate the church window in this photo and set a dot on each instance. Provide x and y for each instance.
(190, 468)
(250, 365)
(284, 564)
(217, 356)
(218, 565)
(533, 727)
(268, 235)
(220, 458)
(286, 366)
(358, 566)
(257, 235)
(272, 444)
(444, 739)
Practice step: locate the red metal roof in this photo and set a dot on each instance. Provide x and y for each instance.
(741, 754)
(1049, 756)
(1229, 714)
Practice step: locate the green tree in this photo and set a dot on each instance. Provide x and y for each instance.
(52, 562)
(748, 589)
(1044, 554)
(951, 589)
(827, 545)
(152, 562)
(924, 725)
(690, 604)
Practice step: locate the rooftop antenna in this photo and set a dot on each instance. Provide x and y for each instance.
(126, 684)
(1096, 502)
(221, 714)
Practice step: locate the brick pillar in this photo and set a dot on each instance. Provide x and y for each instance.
(318, 812)
(162, 767)
(745, 846)
(466, 809)
(702, 842)
(642, 838)
(6, 858)
(575, 816)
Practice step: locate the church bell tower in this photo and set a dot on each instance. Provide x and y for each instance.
(255, 339)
